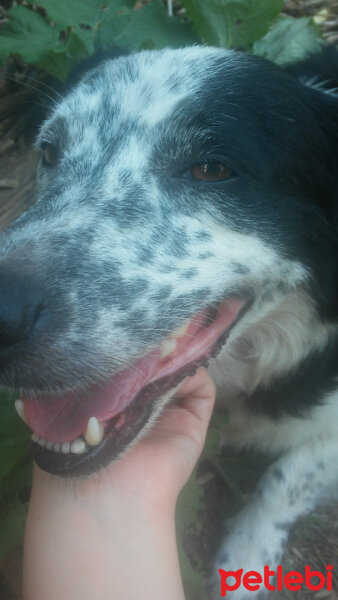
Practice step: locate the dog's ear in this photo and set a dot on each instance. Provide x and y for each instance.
(325, 106)
(324, 103)
(318, 75)
(319, 70)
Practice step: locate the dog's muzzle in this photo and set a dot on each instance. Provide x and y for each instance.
(79, 431)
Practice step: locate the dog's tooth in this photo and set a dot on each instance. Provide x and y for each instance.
(42, 442)
(65, 447)
(94, 432)
(78, 446)
(56, 447)
(20, 409)
(180, 331)
(167, 347)
(49, 445)
(35, 438)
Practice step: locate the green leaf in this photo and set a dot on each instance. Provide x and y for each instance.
(232, 23)
(27, 34)
(67, 13)
(188, 506)
(147, 27)
(289, 40)
(12, 528)
(189, 503)
(15, 463)
(193, 582)
(60, 60)
(14, 437)
(87, 38)
(15, 473)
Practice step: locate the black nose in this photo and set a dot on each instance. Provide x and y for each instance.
(20, 307)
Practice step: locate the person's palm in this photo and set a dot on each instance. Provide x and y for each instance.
(158, 466)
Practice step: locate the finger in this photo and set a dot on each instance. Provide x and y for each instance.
(197, 395)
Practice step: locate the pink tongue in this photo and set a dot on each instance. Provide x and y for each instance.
(63, 418)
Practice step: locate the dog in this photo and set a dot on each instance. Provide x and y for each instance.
(186, 214)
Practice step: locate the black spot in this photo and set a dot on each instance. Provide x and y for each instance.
(278, 474)
(203, 236)
(260, 595)
(293, 496)
(283, 543)
(281, 525)
(162, 293)
(137, 286)
(145, 255)
(138, 325)
(224, 558)
(126, 176)
(239, 268)
(205, 255)
(178, 244)
(189, 273)
(191, 302)
(175, 82)
(267, 296)
(167, 269)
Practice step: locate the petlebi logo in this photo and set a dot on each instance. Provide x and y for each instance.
(276, 580)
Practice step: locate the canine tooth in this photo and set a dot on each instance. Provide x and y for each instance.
(78, 446)
(35, 438)
(20, 409)
(180, 331)
(94, 432)
(56, 447)
(167, 347)
(42, 442)
(49, 445)
(65, 447)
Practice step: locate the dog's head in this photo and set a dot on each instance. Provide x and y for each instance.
(183, 195)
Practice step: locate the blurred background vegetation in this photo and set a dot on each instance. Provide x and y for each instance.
(41, 42)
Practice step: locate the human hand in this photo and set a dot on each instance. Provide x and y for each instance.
(84, 538)
(158, 466)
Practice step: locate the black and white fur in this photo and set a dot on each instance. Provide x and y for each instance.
(122, 246)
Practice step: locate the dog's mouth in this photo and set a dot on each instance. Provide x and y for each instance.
(79, 432)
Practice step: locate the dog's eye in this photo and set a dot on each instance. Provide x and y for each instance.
(50, 155)
(210, 171)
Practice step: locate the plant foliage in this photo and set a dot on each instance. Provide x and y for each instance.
(289, 40)
(232, 23)
(55, 36)
(15, 474)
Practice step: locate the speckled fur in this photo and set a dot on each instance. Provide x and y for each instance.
(125, 248)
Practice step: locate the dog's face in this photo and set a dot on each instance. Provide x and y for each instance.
(186, 189)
